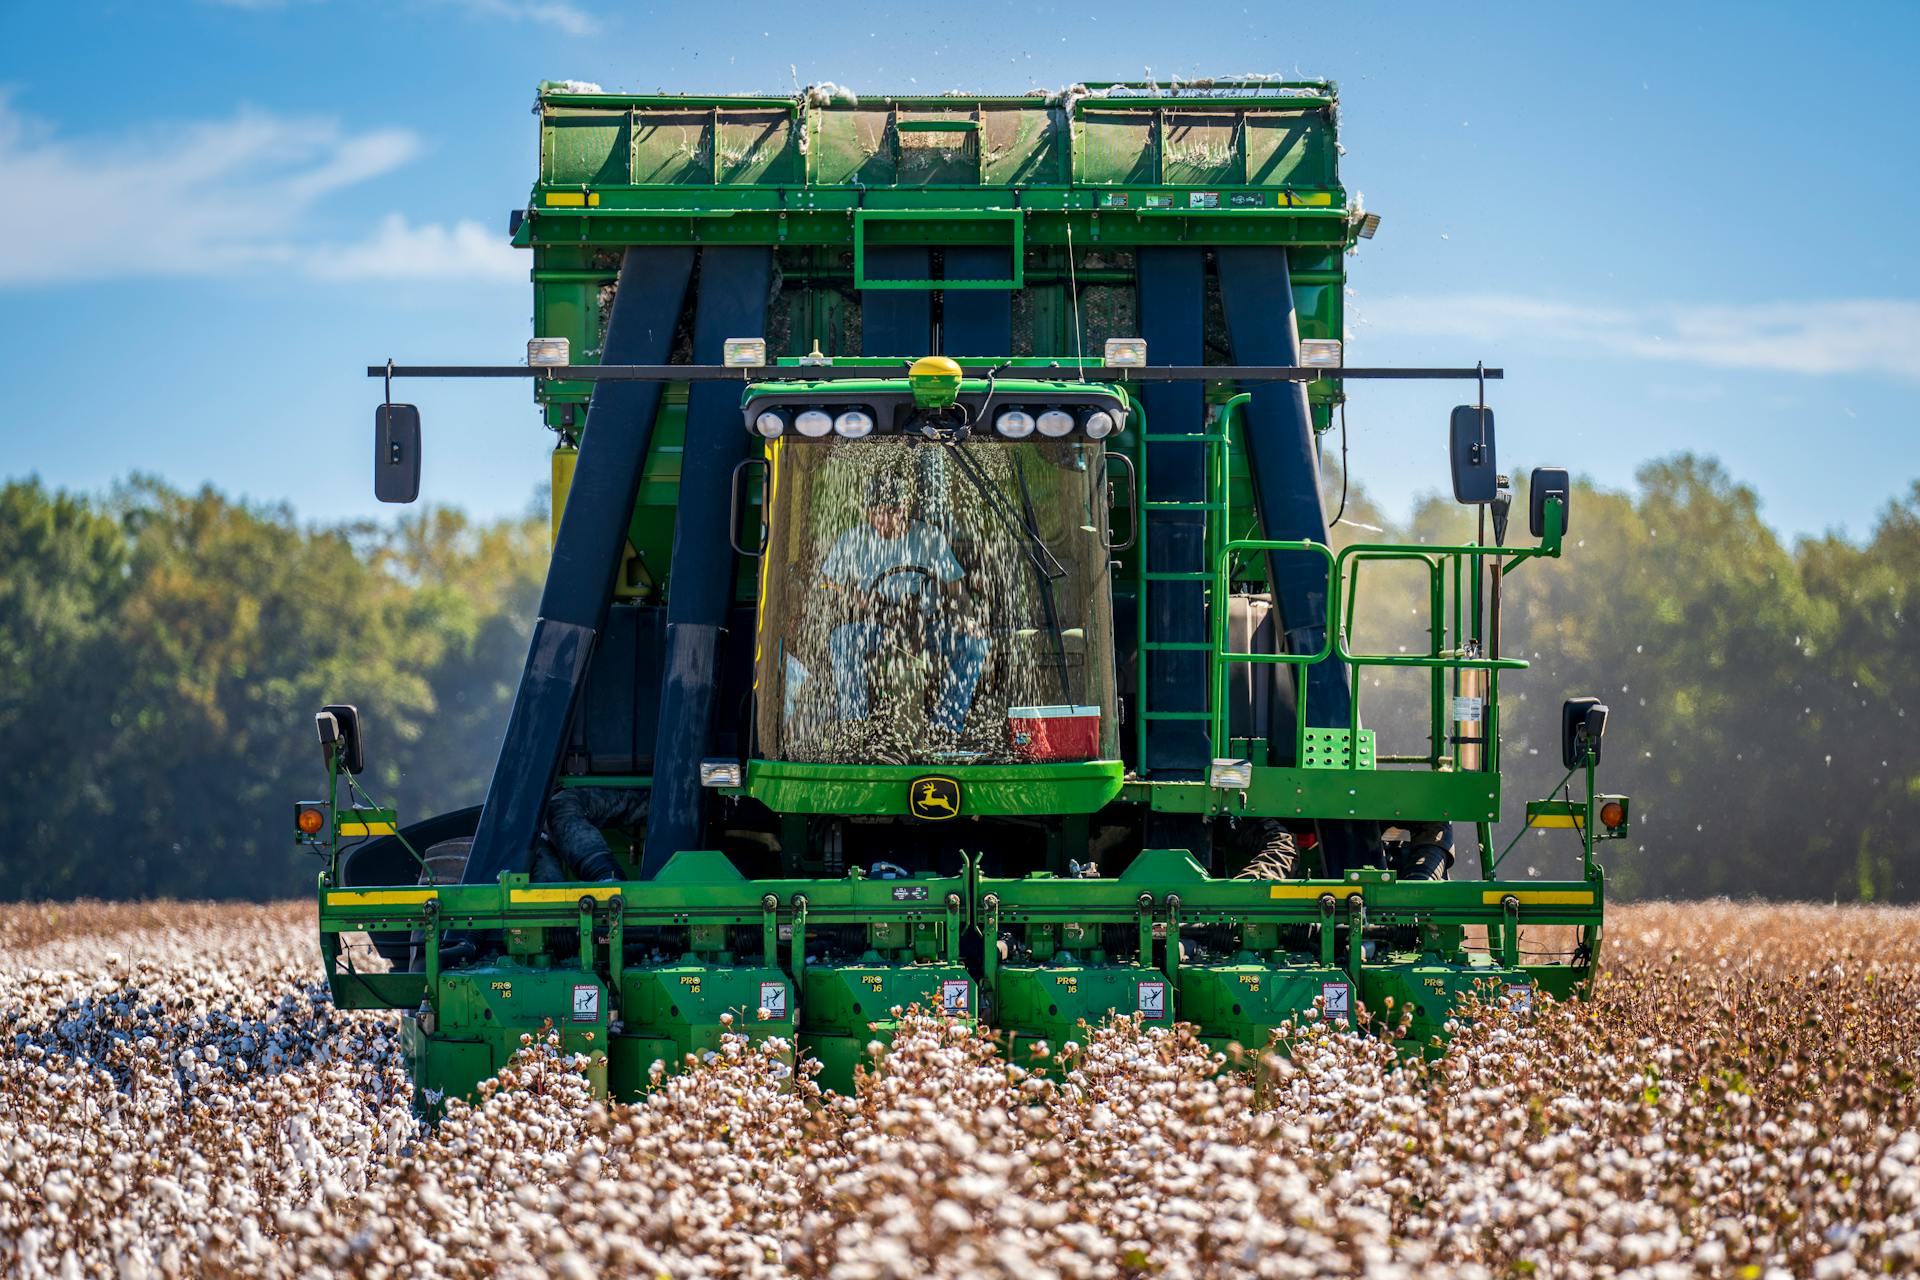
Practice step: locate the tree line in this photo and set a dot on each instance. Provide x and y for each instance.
(162, 654)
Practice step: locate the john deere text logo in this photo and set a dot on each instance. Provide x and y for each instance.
(933, 798)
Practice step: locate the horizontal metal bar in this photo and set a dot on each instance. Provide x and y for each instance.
(776, 373)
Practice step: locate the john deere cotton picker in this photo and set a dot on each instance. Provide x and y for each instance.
(942, 610)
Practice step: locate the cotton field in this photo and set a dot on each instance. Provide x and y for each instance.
(178, 1098)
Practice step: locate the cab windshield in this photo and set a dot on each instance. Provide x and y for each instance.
(926, 603)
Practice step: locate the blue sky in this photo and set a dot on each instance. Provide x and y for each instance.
(1679, 226)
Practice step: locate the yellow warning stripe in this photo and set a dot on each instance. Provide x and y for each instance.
(1542, 897)
(366, 828)
(573, 199)
(1290, 891)
(379, 897)
(1559, 820)
(562, 895)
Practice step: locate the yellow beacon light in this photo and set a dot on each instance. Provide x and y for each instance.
(935, 381)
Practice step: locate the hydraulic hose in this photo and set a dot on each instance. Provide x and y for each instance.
(575, 816)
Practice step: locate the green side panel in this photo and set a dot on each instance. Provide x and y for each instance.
(844, 1008)
(377, 990)
(671, 148)
(1023, 148)
(1050, 1002)
(850, 148)
(1243, 1002)
(1291, 149)
(585, 147)
(669, 1011)
(1201, 149)
(1116, 147)
(758, 147)
(447, 1067)
(1382, 794)
(985, 790)
(480, 1014)
(1432, 989)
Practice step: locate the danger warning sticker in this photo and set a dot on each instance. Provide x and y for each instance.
(773, 999)
(1520, 998)
(1153, 999)
(586, 1003)
(956, 997)
(1333, 1001)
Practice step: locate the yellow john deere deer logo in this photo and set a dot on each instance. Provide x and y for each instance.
(933, 798)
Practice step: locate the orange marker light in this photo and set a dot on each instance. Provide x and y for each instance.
(1612, 813)
(310, 821)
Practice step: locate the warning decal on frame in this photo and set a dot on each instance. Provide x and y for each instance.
(956, 996)
(1153, 999)
(586, 1003)
(773, 1000)
(1333, 1001)
(1468, 710)
(1520, 998)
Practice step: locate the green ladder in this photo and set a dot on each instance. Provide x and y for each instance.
(1216, 508)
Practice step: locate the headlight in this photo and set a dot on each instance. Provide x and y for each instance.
(1100, 425)
(1014, 424)
(813, 424)
(854, 423)
(1320, 353)
(770, 424)
(1055, 423)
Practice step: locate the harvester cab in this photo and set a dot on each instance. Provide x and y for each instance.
(943, 611)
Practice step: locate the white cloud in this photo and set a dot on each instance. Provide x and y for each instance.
(1862, 335)
(401, 251)
(207, 198)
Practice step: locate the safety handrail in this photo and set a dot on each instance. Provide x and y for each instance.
(1342, 590)
(1222, 657)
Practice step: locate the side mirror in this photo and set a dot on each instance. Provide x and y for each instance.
(339, 729)
(1548, 482)
(1583, 723)
(1470, 447)
(396, 453)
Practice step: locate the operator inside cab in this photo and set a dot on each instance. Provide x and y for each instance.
(902, 584)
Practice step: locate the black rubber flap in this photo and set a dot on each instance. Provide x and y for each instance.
(732, 303)
(586, 557)
(897, 322)
(977, 322)
(1256, 292)
(1172, 285)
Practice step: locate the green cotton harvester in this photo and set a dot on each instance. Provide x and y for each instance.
(942, 610)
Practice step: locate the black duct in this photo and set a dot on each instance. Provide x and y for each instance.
(1256, 293)
(732, 303)
(586, 558)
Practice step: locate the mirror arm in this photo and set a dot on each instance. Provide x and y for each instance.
(1556, 510)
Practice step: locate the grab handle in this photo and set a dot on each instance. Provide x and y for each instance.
(1133, 505)
(735, 494)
